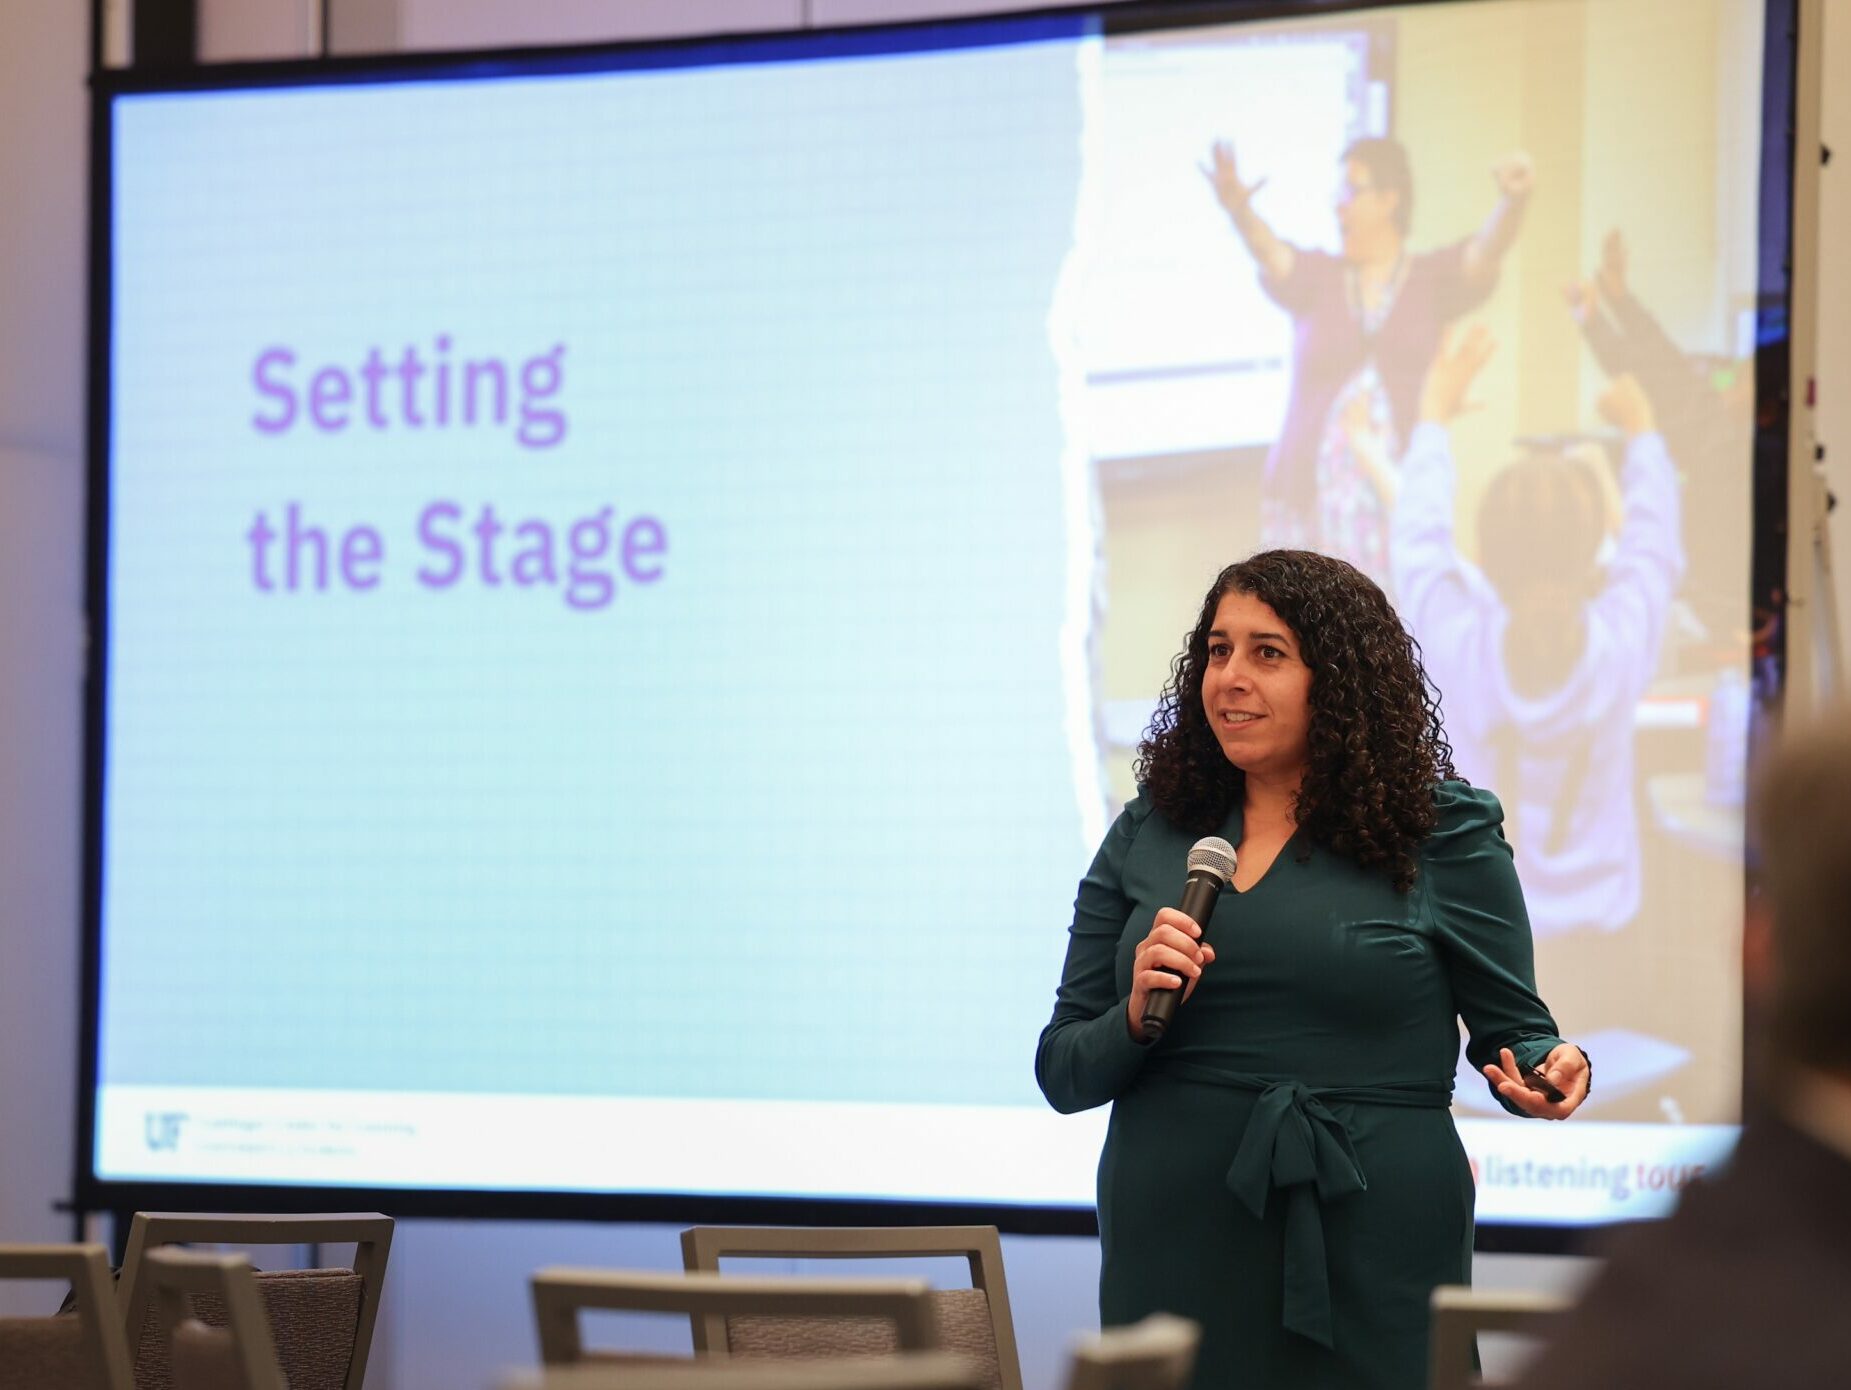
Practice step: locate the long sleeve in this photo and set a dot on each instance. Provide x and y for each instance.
(1626, 621)
(1458, 288)
(1658, 361)
(1474, 905)
(1609, 345)
(1445, 601)
(1301, 288)
(1087, 1055)
(1693, 418)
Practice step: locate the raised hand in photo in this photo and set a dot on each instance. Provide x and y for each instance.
(1223, 175)
(1514, 174)
(1455, 367)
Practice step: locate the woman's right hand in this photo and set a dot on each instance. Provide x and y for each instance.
(1223, 175)
(1174, 944)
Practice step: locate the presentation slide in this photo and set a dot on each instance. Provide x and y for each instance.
(634, 584)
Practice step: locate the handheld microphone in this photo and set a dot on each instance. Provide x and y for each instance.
(1211, 868)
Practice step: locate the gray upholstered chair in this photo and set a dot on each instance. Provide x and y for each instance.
(237, 1354)
(1155, 1354)
(560, 1295)
(81, 1352)
(974, 1322)
(1461, 1313)
(903, 1370)
(320, 1319)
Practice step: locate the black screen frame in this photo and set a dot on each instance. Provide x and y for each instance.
(94, 1194)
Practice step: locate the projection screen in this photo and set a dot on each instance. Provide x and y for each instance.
(627, 583)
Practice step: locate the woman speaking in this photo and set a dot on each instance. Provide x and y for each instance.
(1281, 1165)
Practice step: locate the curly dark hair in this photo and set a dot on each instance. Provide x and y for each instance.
(1377, 744)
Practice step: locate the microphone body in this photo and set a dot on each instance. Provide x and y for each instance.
(1211, 868)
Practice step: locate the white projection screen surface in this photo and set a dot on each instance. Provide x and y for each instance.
(628, 585)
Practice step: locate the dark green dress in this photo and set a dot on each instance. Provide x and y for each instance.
(1282, 1167)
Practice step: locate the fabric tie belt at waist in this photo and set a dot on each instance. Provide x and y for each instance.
(1293, 1142)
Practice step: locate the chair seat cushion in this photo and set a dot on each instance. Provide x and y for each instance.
(314, 1315)
(963, 1327)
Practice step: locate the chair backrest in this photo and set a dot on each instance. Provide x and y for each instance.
(904, 1370)
(84, 1351)
(239, 1355)
(320, 1319)
(1461, 1313)
(1155, 1354)
(560, 1294)
(975, 1321)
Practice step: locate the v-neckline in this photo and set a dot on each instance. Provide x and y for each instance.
(1239, 827)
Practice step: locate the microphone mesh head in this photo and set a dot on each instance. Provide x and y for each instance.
(1213, 855)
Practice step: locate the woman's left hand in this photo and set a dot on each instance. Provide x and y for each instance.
(1565, 1067)
(1514, 174)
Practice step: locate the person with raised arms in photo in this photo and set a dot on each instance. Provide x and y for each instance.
(1545, 645)
(1366, 322)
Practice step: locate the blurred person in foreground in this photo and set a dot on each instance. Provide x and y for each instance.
(1281, 1165)
(1748, 1282)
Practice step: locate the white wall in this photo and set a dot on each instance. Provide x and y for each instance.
(456, 1302)
(44, 53)
(1834, 418)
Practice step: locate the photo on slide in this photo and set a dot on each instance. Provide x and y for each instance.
(1276, 306)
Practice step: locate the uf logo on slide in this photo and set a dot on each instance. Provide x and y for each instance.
(161, 1128)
